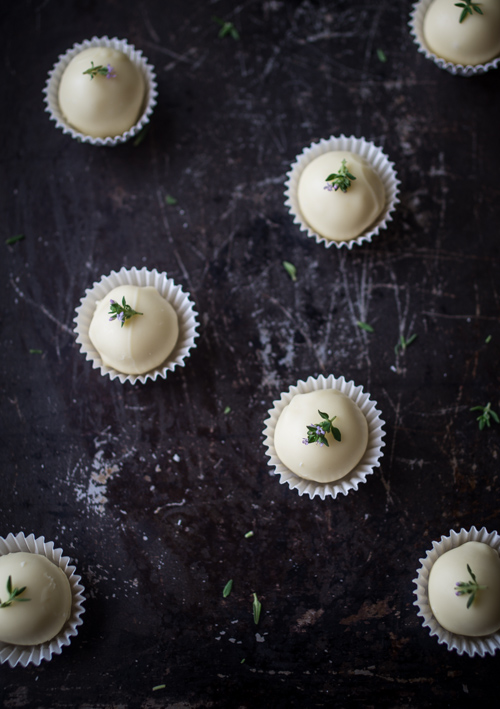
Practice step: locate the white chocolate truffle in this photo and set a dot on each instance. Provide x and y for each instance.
(42, 617)
(101, 107)
(450, 610)
(323, 464)
(337, 215)
(145, 341)
(475, 40)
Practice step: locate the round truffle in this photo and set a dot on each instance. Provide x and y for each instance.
(338, 215)
(451, 612)
(475, 40)
(313, 461)
(42, 617)
(101, 105)
(144, 341)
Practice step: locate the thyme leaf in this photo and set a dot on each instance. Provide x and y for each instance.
(486, 414)
(227, 588)
(463, 588)
(14, 239)
(403, 343)
(469, 8)
(365, 326)
(290, 269)
(257, 607)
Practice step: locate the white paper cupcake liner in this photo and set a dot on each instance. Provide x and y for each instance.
(51, 90)
(461, 643)
(34, 654)
(416, 25)
(166, 287)
(379, 162)
(370, 459)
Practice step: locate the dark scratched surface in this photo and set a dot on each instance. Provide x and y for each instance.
(151, 489)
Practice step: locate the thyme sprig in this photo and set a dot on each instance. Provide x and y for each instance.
(340, 180)
(14, 594)
(226, 28)
(316, 432)
(403, 343)
(486, 414)
(121, 312)
(463, 588)
(100, 70)
(469, 8)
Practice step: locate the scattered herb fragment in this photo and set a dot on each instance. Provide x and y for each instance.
(488, 340)
(243, 660)
(141, 135)
(290, 269)
(381, 56)
(364, 326)
(316, 432)
(100, 70)
(14, 239)
(121, 312)
(462, 588)
(36, 351)
(227, 588)
(170, 200)
(227, 410)
(339, 180)
(485, 415)
(469, 8)
(159, 686)
(403, 343)
(248, 535)
(226, 28)
(257, 606)
(14, 594)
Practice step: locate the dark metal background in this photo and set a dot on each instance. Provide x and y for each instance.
(151, 489)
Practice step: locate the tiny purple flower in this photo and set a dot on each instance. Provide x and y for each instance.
(112, 301)
(328, 187)
(110, 74)
(335, 187)
(305, 441)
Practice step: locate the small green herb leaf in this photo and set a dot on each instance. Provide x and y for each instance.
(227, 588)
(488, 340)
(14, 239)
(170, 200)
(14, 594)
(141, 135)
(226, 28)
(381, 56)
(36, 351)
(364, 326)
(121, 312)
(159, 686)
(248, 535)
(227, 410)
(404, 343)
(257, 607)
(290, 269)
(316, 432)
(486, 414)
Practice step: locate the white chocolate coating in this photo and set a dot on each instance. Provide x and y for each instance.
(314, 462)
(145, 341)
(337, 215)
(101, 107)
(42, 617)
(476, 40)
(450, 610)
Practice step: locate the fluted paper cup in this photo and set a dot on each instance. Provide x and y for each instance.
(378, 161)
(416, 25)
(51, 90)
(471, 646)
(372, 454)
(34, 654)
(166, 287)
